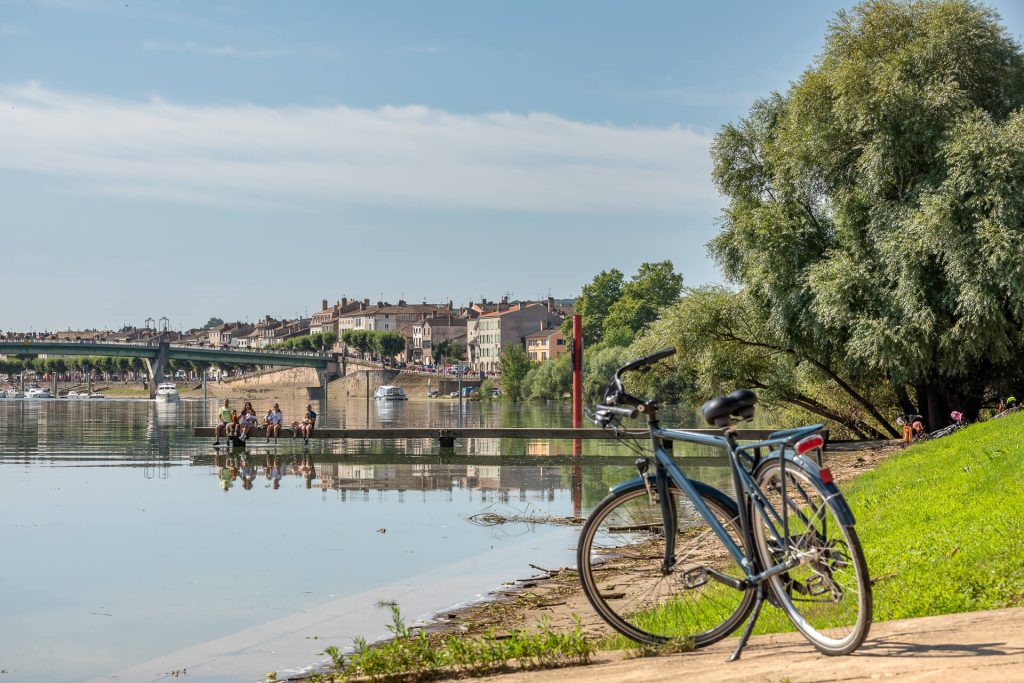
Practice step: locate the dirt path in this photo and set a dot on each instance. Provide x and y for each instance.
(960, 648)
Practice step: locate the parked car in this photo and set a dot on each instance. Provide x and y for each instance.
(433, 393)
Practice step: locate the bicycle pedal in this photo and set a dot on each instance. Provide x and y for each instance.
(816, 585)
(694, 578)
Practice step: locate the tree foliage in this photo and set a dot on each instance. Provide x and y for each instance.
(610, 305)
(513, 364)
(876, 210)
(447, 350)
(211, 323)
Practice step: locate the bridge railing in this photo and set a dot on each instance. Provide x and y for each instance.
(150, 344)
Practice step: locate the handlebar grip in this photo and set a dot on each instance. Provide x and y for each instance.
(648, 360)
(616, 410)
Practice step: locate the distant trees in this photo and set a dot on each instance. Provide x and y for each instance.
(447, 350)
(513, 364)
(612, 306)
(319, 341)
(360, 340)
(384, 344)
(211, 323)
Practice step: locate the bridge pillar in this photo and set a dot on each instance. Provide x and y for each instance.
(325, 377)
(156, 367)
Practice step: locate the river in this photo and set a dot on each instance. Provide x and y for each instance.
(125, 559)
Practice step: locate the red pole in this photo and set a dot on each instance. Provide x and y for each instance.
(577, 371)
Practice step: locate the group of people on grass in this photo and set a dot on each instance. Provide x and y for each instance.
(238, 425)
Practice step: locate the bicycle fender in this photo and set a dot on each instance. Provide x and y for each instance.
(710, 491)
(843, 511)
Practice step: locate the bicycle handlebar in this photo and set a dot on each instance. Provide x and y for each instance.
(647, 360)
(616, 410)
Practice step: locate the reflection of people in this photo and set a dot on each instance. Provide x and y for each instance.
(308, 471)
(273, 471)
(274, 418)
(248, 474)
(223, 475)
(224, 415)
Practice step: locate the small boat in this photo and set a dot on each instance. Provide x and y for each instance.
(38, 392)
(167, 392)
(386, 392)
(73, 394)
(14, 392)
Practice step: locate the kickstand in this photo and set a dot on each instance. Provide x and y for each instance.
(750, 624)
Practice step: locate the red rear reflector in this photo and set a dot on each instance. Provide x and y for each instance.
(826, 475)
(809, 443)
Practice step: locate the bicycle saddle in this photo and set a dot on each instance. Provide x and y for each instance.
(719, 411)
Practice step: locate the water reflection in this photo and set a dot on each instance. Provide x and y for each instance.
(154, 550)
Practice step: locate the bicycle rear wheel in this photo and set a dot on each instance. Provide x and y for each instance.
(620, 557)
(828, 595)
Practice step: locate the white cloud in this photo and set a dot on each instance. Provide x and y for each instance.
(416, 156)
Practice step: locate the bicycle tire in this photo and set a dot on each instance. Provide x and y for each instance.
(828, 596)
(623, 539)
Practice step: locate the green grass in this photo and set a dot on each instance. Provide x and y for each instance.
(410, 656)
(942, 524)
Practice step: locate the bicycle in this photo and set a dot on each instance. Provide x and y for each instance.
(664, 557)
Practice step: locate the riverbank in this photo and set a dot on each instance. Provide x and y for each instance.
(937, 521)
(554, 593)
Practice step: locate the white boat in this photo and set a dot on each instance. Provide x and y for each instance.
(386, 392)
(74, 394)
(38, 392)
(167, 392)
(14, 392)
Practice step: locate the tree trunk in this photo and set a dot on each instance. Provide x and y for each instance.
(906, 405)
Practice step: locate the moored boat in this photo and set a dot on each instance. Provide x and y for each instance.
(386, 392)
(167, 392)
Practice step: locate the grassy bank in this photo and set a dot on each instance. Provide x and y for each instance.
(942, 524)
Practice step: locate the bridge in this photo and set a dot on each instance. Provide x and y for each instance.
(158, 354)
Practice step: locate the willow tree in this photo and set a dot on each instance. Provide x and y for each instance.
(875, 211)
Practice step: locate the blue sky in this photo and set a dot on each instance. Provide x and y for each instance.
(189, 159)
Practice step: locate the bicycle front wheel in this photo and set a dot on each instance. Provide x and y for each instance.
(828, 595)
(621, 556)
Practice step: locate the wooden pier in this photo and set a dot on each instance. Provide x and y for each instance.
(446, 436)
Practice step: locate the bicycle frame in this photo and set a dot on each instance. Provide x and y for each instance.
(745, 489)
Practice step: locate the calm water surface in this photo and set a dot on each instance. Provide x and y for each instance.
(121, 548)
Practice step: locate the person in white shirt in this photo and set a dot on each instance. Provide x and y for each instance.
(275, 419)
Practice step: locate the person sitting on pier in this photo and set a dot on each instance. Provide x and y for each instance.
(308, 423)
(224, 415)
(247, 421)
(275, 419)
(234, 427)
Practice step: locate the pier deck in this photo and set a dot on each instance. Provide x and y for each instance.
(447, 435)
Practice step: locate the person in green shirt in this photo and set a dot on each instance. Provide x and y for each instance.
(224, 415)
